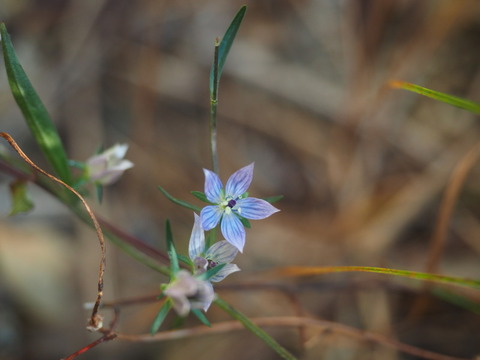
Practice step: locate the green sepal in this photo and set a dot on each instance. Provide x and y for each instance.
(177, 201)
(162, 314)
(245, 222)
(210, 238)
(224, 49)
(202, 317)
(20, 201)
(172, 253)
(35, 113)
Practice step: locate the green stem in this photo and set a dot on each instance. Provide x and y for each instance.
(249, 325)
(213, 110)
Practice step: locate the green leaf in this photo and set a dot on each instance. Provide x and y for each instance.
(224, 49)
(172, 253)
(254, 328)
(99, 192)
(201, 196)
(211, 272)
(273, 199)
(162, 314)
(446, 98)
(177, 201)
(201, 316)
(20, 201)
(34, 111)
(184, 259)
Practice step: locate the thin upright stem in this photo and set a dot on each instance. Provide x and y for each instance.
(213, 110)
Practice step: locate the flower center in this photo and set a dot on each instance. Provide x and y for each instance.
(211, 264)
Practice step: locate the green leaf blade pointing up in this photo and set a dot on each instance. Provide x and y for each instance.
(224, 47)
(34, 111)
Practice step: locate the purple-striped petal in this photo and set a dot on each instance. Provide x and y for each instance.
(233, 231)
(255, 209)
(239, 182)
(196, 246)
(210, 216)
(222, 274)
(213, 187)
(222, 252)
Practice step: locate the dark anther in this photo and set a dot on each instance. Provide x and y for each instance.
(232, 203)
(211, 264)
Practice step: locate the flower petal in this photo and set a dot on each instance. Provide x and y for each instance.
(255, 209)
(233, 231)
(239, 182)
(222, 252)
(213, 187)
(196, 246)
(226, 270)
(210, 216)
(201, 265)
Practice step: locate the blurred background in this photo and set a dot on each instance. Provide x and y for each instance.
(304, 95)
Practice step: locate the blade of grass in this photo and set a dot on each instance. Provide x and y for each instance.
(309, 271)
(446, 98)
(34, 111)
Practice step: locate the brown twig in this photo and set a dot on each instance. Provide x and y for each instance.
(289, 321)
(106, 337)
(449, 200)
(95, 319)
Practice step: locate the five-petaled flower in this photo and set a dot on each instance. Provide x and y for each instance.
(107, 167)
(189, 292)
(219, 253)
(231, 203)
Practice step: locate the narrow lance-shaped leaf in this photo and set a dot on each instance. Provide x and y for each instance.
(446, 98)
(162, 314)
(34, 111)
(249, 325)
(172, 253)
(225, 46)
(178, 201)
(211, 272)
(201, 196)
(201, 316)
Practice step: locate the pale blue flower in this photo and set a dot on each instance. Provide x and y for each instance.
(107, 167)
(189, 292)
(232, 202)
(220, 253)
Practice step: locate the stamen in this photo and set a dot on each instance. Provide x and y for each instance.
(211, 264)
(231, 203)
